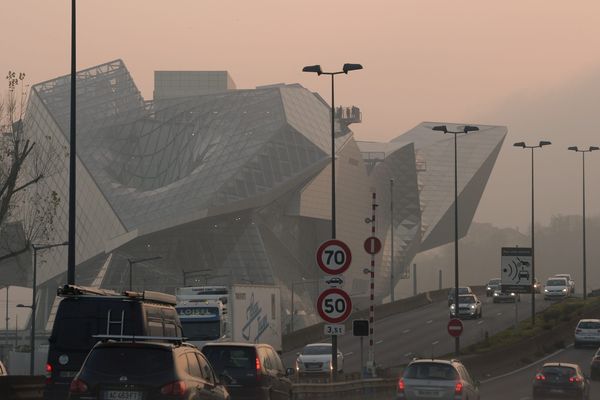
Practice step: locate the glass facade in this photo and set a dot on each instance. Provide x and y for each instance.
(231, 186)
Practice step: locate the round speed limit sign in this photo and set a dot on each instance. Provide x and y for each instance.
(334, 305)
(334, 257)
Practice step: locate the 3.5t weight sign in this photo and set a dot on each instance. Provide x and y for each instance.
(334, 257)
(334, 305)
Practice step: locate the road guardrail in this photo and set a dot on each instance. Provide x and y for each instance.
(350, 390)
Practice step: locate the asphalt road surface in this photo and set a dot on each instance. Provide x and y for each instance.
(518, 385)
(423, 332)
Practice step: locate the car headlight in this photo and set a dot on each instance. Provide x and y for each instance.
(488, 288)
(512, 294)
(472, 306)
(452, 306)
(496, 294)
(565, 289)
(545, 290)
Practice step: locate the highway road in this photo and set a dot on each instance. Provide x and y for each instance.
(518, 386)
(422, 332)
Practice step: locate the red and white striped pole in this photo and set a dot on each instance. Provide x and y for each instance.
(371, 358)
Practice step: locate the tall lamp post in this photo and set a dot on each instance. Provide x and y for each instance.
(132, 261)
(541, 144)
(583, 151)
(466, 129)
(392, 283)
(33, 306)
(72, 155)
(317, 70)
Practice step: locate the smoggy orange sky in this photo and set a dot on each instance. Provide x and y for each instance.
(533, 66)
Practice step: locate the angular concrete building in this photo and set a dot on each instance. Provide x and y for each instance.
(232, 185)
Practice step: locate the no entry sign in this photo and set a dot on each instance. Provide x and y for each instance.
(455, 327)
(334, 305)
(334, 257)
(372, 245)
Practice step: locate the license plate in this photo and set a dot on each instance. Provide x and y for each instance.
(556, 391)
(67, 374)
(428, 393)
(122, 395)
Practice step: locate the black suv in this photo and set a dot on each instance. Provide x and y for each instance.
(561, 380)
(146, 370)
(250, 371)
(85, 312)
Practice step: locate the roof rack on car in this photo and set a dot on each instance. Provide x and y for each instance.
(75, 290)
(141, 338)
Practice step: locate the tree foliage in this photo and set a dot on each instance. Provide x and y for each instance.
(25, 199)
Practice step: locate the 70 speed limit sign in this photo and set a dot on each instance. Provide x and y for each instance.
(334, 305)
(334, 257)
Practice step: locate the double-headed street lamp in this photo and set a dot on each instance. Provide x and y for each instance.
(465, 129)
(317, 70)
(132, 261)
(583, 151)
(33, 305)
(541, 144)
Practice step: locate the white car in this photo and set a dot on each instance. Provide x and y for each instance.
(556, 288)
(315, 359)
(469, 306)
(568, 278)
(587, 332)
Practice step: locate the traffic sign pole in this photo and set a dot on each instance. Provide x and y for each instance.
(371, 356)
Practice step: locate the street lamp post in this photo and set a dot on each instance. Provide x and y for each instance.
(132, 261)
(466, 129)
(583, 151)
(72, 155)
(33, 306)
(392, 240)
(7, 341)
(345, 69)
(541, 144)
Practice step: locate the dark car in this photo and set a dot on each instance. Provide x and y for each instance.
(561, 380)
(595, 366)
(461, 291)
(85, 312)
(250, 371)
(146, 370)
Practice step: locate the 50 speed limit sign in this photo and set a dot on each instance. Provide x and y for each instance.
(334, 257)
(334, 305)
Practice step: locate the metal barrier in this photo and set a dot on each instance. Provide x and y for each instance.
(350, 390)
(22, 387)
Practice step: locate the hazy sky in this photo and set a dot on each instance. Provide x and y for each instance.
(531, 65)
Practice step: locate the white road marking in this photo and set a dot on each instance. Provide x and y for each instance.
(406, 331)
(379, 342)
(434, 343)
(480, 322)
(349, 354)
(429, 322)
(499, 313)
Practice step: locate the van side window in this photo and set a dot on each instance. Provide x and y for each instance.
(170, 329)
(194, 366)
(182, 363)
(206, 371)
(276, 361)
(266, 360)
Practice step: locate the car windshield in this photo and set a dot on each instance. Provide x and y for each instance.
(494, 282)
(314, 350)
(432, 370)
(589, 325)
(129, 360)
(466, 299)
(230, 357)
(201, 330)
(556, 282)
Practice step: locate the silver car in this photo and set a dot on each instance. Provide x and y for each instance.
(469, 306)
(428, 379)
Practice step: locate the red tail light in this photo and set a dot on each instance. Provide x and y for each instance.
(577, 330)
(177, 388)
(540, 377)
(78, 386)
(48, 373)
(258, 368)
(575, 379)
(458, 388)
(401, 385)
